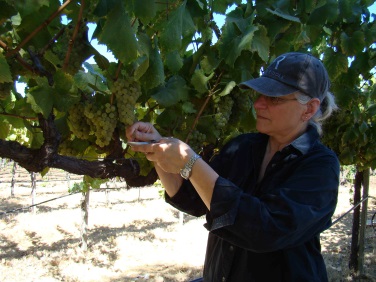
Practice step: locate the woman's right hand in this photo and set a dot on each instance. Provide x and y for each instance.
(142, 131)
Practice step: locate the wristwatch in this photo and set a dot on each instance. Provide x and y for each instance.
(186, 171)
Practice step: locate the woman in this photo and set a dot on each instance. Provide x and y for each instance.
(267, 196)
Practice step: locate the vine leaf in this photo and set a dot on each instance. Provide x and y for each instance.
(179, 24)
(118, 35)
(5, 74)
(4, 128)
(104, 7)
(29, 7)
(261, 43)
(237, 36)
(154, 75)
(200, 81)
(325, 13)
(352, 44)
(174, 91)
(144, 9)
(283, 15)
(40, 99)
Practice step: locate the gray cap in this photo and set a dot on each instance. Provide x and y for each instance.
(292, 72)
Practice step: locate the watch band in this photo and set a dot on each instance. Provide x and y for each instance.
(186, 171)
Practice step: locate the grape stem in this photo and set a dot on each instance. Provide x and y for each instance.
(74, 35)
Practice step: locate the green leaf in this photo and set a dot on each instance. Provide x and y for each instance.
(326, 13)
(227, 90)
(354, 44)
(65, 95)
(347, 156)
(4, 128)
(104, 7)
(154, 75)
(5, 74)
(145, 10)
(26, 7)
(41, 99)
(174, 91)
(117, 34)
(200, 81)
(220, 6)
(363, 127)
(141, 66)
(283, 15)
(237, 36)
(173, 61)
(6, 10)
(335, 63)
(179, 23)
(371, 110)
(168, 117)
(261, 43)
(189, 108)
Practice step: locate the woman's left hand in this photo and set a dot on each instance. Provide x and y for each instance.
(170, 154)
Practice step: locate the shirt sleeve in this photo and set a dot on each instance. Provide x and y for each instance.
(187, 200)
(296, 205)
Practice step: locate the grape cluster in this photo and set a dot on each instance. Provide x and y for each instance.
(243, 101)
(126, 91)
(66, 150)
(196, 140)
(102, 121)
(79, 50)
(223, 111)
(77, 121)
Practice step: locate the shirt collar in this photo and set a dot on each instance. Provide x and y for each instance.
(305, 141)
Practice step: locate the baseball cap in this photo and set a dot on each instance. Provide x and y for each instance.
(291, 72)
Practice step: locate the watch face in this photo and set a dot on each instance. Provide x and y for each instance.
(185, 173)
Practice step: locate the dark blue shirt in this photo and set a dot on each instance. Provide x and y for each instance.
(267, 230)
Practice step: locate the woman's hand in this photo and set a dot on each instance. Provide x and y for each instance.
(170, 154)
(142, 131)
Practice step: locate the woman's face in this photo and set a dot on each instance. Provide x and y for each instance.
(280, 117)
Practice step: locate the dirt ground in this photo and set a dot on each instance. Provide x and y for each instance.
(133, 235)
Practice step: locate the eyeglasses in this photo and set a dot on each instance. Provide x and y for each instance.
(273, 100)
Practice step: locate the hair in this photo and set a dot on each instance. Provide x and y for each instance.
(327, 107)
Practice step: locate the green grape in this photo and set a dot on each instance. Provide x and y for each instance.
(78, 122)
(66, 150)
(223, 111)
(196, 140)
(102, 120)
(126, 91)
(242, 106)
(243, 101)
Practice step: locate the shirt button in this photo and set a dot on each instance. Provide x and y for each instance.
(223, 279)
(231, 248)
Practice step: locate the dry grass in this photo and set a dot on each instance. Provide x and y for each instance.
(133, 237)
